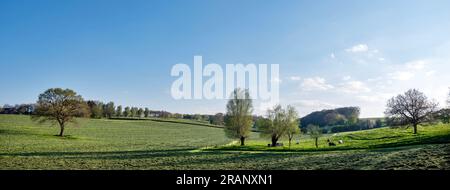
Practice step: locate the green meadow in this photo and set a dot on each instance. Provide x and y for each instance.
(160, 145)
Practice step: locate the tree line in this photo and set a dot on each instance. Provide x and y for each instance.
(99, 109)
(412, 108)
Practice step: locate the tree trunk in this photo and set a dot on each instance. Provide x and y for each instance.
(415, 128)
(317, 145)
(290, 139)
(242, 141)
(61, 132)
(274, 141)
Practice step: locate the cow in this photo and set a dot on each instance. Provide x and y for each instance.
(330, 143)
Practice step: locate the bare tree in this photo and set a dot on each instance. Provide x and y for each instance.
(412, 108)
(239, 115)
(61, 106)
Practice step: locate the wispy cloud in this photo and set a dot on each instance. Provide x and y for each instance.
(295, 78)
(401, 75)
(417, 65)
(346, 78)
(358, 48)
(353, 87)
(309, 105)
(376, 97)
(315, 83)
(408, 70)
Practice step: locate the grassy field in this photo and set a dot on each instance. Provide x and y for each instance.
(368, 139)
(144, 144)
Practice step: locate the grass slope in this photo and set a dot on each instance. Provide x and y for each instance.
(367, 139)
(120, 144)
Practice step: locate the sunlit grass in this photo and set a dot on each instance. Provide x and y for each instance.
(123, 144)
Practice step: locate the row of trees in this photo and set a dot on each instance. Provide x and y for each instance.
(362, 124)
(63, 105)
(23, 109)
(99, 109)
(338, 116)
(278, 123)
(411, 108)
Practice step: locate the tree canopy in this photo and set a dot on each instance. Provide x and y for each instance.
(61, 106)
(239, 115)
(338, 116)
(411, 108)
(279, 122)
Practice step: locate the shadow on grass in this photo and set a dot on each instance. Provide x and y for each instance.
(420, 140)
(168, 157)
(13, 132)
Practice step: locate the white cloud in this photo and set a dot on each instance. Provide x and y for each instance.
(358, 48)
(307, 106)
(346, 78)
(315, 83)
(332, 56)
(374, 79)
(295, 78)
(409, 70)
(430, 73)
(375, 98)
(277, 80)
(401, 75)
(315, 103)
(354, 87)
(417, 65)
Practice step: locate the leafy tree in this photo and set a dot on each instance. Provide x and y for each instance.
(197, 117)
(378, 123)
(109, 109)
(61, 106)
(279, 121)
(178, 116)
(146, 112)
(239, 115)
(218, 119)
(95, 108)
(334, 118)
(119, 111)
(134, 111)
(164, 114)
(127, 112)
(26, 109)
(443, 115)
(351, 114)
(140, 112)
(314, 132)
(293, 123)
(412, 108)
(338, 116)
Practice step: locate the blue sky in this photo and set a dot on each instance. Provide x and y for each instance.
(331, 53)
